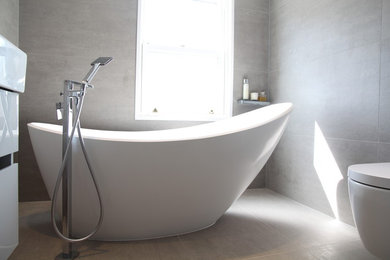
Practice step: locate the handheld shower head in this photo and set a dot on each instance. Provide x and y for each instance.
(101, 61)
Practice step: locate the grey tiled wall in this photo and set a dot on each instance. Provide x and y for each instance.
(251, 35)
(9, 20)
(331, 59)
(61, 38)
(251, 43)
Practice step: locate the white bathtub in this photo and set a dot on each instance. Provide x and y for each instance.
(166, 182)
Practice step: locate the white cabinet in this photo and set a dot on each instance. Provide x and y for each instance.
(8, 210)
(9, 127)
(13, 64)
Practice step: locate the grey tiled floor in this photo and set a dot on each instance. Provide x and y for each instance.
(261, 225)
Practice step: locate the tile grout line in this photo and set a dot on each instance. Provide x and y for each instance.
(336, 138)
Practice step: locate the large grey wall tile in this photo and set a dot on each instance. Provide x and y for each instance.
(70, 27)
(251, 39)
(290, 171)
(385, 58)
(340, 91)
(253, 5)
(301, 165)
(386, 19)
(384, 105)
(276, 4)
(384, 152)
(384, 111)
(9, 20)
(311, 29)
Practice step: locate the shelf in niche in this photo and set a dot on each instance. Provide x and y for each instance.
(253, 102)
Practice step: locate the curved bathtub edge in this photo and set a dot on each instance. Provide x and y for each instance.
(231, 125)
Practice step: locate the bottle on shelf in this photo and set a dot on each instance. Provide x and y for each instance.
(245, 89)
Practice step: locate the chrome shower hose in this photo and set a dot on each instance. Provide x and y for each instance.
(76, 124)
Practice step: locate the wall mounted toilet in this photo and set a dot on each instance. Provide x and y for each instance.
(369, 193)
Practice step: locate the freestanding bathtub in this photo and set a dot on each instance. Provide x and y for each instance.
(165, 182)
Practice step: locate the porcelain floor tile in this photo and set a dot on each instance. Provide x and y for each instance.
(261, 225)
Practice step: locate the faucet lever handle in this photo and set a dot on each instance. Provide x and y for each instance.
(60, 110)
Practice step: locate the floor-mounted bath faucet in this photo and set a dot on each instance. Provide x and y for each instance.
(71, 107)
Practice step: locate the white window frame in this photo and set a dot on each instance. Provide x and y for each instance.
(227, 54)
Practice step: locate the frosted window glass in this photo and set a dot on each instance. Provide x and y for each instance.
(183, 23)
(180, 82)
(184, 59)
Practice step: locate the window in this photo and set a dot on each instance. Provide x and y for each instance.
(184, 59)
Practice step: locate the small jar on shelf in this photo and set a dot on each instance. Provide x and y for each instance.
(262, 96)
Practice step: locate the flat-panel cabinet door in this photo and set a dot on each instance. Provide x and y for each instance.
(9, 127)
(8, 210)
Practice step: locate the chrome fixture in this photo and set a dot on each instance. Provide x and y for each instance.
(101, 61)
(69, 111)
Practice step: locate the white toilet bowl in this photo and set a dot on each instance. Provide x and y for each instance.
(369, 193)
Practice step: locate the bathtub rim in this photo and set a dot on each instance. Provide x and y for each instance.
(231, 125)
